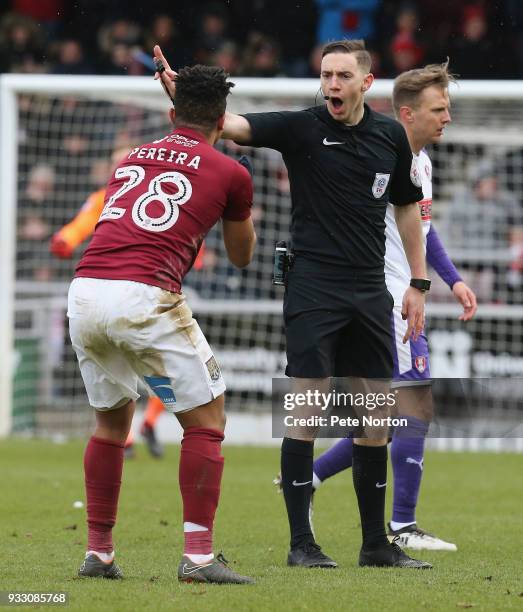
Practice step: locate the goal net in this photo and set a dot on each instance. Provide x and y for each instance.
(57, 137)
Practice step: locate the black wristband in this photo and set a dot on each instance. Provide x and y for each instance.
(422, 284)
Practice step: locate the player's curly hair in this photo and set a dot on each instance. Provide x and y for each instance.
(201, 95)
(409, 85)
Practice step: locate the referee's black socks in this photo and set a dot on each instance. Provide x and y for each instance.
(369, 474)
(296, 478)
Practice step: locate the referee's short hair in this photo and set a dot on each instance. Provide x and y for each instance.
(409, 85)
(350, 46)
(201, 95)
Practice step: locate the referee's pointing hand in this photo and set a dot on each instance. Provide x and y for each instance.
(413, 310)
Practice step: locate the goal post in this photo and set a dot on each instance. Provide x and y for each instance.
(8, 205)
(61, 129)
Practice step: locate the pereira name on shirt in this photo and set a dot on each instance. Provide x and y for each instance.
(167, 155)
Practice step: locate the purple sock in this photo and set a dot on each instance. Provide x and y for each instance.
(406, 453)
(336, 459)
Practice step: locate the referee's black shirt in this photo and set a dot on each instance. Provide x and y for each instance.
(341, 178)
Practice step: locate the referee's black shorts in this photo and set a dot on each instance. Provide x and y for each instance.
(337, 322)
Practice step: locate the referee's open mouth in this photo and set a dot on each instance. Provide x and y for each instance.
(336, 104)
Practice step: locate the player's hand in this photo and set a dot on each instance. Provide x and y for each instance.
(413, 310)
(167, 75)
(467, 298)
(59, 247)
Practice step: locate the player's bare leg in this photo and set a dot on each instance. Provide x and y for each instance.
(200, 474)
(103, 465)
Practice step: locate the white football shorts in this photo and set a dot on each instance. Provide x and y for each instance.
(124, 330)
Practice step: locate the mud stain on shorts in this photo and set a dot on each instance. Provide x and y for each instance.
(177, 309)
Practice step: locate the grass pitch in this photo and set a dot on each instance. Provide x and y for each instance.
(474, 500)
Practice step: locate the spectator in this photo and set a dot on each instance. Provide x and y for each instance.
(514, 14)
(439, 24)
(71, 59)
(261, 56)
(482, 217)
(35, 221)
(120, 43)
(72, 165)
(294, 29)
(340, 19)
(164, 32)
(35, 205)
(44, 12)
(212, 32)
(473, 53)
(119, 60)
(21, 45)
(39, 10)
(406, 51)
(226, 56)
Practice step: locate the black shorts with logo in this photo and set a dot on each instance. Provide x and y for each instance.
(337, 322)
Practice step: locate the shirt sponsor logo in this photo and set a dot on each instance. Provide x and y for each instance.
(425, 208)
(214, 369)
(380, 185)
(414, 174)
(182, 140)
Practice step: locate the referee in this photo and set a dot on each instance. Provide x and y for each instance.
(345, 163)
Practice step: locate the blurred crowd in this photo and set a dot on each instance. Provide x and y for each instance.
(263, 38)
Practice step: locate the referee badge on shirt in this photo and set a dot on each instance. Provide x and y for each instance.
(380, 185)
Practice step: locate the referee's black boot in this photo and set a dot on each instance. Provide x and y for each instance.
(390, 555)
(309, 555)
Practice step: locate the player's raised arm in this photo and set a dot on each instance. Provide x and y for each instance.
(235, 127)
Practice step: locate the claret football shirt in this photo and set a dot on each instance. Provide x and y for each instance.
(159, 205)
